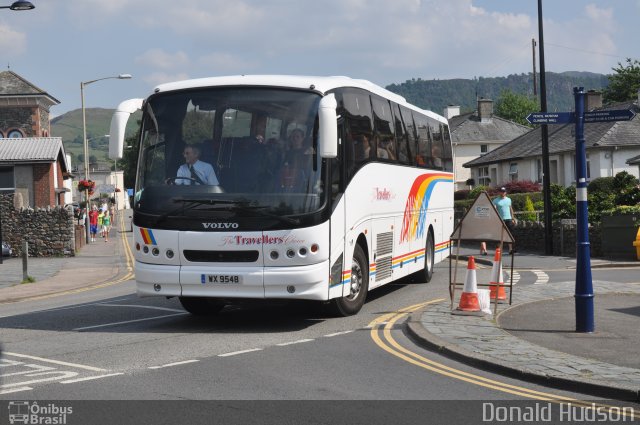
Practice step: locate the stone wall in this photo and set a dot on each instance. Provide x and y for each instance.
(49, 231)
(530, 238)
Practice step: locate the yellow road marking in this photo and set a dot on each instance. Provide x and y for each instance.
(394, 348)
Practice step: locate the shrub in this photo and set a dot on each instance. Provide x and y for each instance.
(528, 206)
(601, 184)
(623, 209)
(522, 186)
(461, 194)
(477, 190)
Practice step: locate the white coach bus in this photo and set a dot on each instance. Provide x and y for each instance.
(314, 188)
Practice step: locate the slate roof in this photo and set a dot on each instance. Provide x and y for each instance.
(468, 128)
(562, 139)
(13, 85)
(32, 149)
(635, 160)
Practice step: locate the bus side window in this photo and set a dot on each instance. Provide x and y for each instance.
(383, 143)
(407, 148)
(447, 153)
(436, 148)
(357, 130)
(423, 153)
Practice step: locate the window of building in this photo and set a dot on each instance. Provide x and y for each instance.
(484, 148)
(483, 176)
(7, 180)
(513, 171)
(539, 170)
(13, 134)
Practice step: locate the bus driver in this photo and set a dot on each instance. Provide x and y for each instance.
(194, 171)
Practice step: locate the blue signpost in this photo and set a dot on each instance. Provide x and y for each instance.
(584, 284)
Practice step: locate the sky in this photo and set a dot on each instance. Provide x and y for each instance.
(62, 43)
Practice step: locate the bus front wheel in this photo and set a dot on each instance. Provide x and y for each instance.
(358, 286)
(199, 306)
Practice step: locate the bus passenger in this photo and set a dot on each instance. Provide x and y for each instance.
(194, 171)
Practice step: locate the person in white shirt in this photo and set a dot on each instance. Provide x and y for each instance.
(194, 171)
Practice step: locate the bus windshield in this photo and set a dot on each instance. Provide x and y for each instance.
(248, 150)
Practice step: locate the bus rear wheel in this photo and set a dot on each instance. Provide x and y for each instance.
(199, 306)
(358, 286)
(429, 258)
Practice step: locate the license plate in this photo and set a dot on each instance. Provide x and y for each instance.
(225, 279)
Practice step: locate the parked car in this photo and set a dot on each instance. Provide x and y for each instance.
(6, 249)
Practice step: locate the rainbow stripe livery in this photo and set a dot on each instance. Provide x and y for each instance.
(415, 211)
(147, 236)
(442, 246)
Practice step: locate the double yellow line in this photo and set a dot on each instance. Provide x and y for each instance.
(381, 335)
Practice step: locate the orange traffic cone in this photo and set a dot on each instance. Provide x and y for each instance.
(497, 281)
(469, 303)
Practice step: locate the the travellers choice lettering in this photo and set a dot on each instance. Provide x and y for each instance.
(260, 240)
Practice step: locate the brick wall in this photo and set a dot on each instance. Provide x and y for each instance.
(43, 190)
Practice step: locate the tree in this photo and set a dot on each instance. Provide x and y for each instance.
(624, 84)
(515, 107)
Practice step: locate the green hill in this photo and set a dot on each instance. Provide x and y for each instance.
(69, 127)
(437, 94)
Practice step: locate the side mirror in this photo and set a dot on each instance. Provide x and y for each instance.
(119, 124)
(328, 127)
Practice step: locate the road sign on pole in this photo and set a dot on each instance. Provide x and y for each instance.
(607, 116)
(551, 118)
(584, 286)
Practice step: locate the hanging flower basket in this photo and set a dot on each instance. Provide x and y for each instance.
(89, 185)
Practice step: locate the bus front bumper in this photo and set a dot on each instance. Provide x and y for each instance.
(308, 282)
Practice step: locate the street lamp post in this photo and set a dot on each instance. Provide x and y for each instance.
(16, 5)
(85, 143)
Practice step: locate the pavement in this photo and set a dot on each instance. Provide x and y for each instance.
(97, 264)
(532, 339)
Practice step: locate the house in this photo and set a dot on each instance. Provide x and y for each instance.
(36, 168)
(609, 145)
(32, 164)
(476, 133)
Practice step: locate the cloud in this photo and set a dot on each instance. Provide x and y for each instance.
(227, 63)
(156, 78)
(158, 58)
(12, 42)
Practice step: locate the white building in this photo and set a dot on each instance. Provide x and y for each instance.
(611, 148)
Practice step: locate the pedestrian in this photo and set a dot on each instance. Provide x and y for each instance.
(505, 209)
(106, 223)
(93, 222)
(101, 222)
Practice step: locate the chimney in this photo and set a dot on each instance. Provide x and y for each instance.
(485, 110)
(451, 111)
(593, 100)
